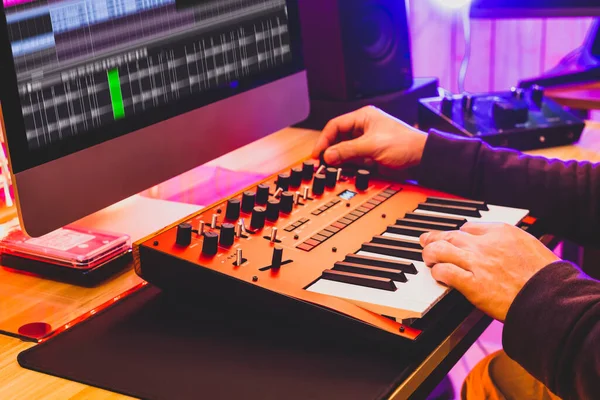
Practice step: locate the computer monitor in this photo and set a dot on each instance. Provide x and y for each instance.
(534, 8)
(102, 99)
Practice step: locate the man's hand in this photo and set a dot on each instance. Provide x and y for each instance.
(488, 263)
(370, 136)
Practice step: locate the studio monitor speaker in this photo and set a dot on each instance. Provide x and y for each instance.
(356, 49)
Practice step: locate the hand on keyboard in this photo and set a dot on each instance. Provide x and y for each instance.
(488, 263)
(370, 136)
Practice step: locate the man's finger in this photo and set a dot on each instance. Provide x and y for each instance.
(453, 276)
(349, 151)
(347, 123)
(444, 252)
(478, 228)
(457, 238)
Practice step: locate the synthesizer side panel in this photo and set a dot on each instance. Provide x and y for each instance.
(341, 240)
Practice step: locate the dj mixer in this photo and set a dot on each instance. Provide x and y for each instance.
(314, 236)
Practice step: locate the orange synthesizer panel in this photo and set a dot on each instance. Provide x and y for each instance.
(341, 240)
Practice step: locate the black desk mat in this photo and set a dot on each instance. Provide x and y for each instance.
(154, 346)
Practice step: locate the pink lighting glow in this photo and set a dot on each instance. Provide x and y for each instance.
(12, 3)
(453, 4)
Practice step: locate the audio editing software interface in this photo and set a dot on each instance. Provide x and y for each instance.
(83, 64)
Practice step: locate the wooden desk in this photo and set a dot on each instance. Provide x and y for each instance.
(582, 96)
(289, 145)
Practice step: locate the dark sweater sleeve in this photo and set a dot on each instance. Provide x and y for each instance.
(563, 196)
(553, 331)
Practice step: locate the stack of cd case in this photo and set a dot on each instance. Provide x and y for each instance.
(73, 254)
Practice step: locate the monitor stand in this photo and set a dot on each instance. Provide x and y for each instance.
(580, 66)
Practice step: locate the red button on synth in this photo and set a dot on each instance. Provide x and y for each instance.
(338, 225)
(304, 247)
(312, 242)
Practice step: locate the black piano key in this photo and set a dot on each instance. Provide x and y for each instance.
(407, 230)
(359, 280)
(480, 205)
(393, 274)
(436, 218)
(394, 251)
(412, 244)
(435, 226)
(404, 266)
(455, 210)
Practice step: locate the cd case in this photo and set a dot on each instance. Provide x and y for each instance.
(70, 247)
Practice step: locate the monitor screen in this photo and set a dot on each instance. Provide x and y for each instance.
(534, 8)
(88, 71)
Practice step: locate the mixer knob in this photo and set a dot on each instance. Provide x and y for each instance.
(227, 235)
(508, 114)
(232, 212)
(273, 210)
(517, 93)
(283, 181)
(211, 244)
(262, 193)
(362, 179)
(308, 170)
(537, 94)
(287, 202)
(248, 199)
(258, 217)
(184, 234)
(296, 177)
(331, 177)
(447, 106)
(468, 101)
(318, 185)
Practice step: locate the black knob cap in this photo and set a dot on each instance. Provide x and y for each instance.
(517, 93)
(248, 199)
(211, 244)
(507, 114)
(184, 234)
(273, 210)
(318, 186)
(447, 106)
(277, 257)
(537, 94)
(286, 203)
(296, 177)
(308, 170)
(232, 212)
(227, 235)
(330, 177)
(258, 217)
(283, 181)
(362, 179)
(262, 193)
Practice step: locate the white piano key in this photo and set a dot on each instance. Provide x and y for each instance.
(401, 237)
(511, 216)
(418, 295)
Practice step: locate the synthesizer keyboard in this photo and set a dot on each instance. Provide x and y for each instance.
(344, 241)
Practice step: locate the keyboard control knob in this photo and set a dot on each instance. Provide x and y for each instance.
(296, 177)
(248, 199)
(273, 210)
(258, 218)
(211, 244)
(184, 234)
(331, 177)
(318, 186)
(277, 257)
(227, 235)
(308, 169)
(262, 194)
(283, 181)
(468, 102)
(232, 213)
(362, 179)
(286, 205)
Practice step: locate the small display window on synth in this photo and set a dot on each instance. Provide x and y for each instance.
(347, 194)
